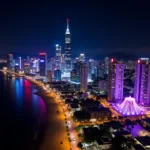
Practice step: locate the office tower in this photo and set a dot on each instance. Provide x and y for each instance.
(10, 61)
(76, 72)
(58, 56)
(28, 59)
(116, 81)
(142, 82)
(91, 68)
(67, 49)
(17, 68)
(49, 76)
(106, 65)
(84, 78)
(26, 68)
(42, 64)
(57, 75)
(82, 58)
(101, 69)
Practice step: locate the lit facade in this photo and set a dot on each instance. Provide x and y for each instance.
(10, 61)
(49, 76)
(58, 56)
(67, 49)
(82, 58)
(106, 65)
(43, 64)
(129, 107)
(76, 72)
(142, 82)
(116, 81)
(57, 75)
(84, 78)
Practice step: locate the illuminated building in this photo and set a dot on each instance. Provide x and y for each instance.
(82, 58)
(129, 107)
(76, 72)
(84, 78)
(10, 61)
(67, 49)
(17, 68)
(43, 64)
(103, 85)
(142, 82)
(116, 81)
(57, 75)
(26, 68)
(106, 65)
(91, 68)
(20, 62)
(49, 76)
(58, 56)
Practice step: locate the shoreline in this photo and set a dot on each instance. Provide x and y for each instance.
(55, 129)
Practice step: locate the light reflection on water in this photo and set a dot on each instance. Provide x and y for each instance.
(22, 111)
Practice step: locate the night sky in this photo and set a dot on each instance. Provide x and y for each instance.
(96, 28)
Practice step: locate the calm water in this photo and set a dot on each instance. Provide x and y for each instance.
(23, 114)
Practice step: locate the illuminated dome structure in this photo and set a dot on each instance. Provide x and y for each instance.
(129, 107)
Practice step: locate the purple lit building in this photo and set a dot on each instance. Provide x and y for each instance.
(142, 82)
(116, 81)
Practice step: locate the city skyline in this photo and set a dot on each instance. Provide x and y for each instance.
(102, 30)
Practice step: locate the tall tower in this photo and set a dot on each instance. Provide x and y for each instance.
(142, 82)
(116, 81)
(67, 49)
(84, 77)
(43, 64)
(58, 56)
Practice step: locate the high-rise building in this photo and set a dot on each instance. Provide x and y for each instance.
(106, 65)
(142, 82)
(67, 49)
(26, 68)
(76, 72)
(82, 58)
(84, 78)
(57, 75)
(49, 76)
(9, 61)
(43, 64)
(116, 81)
(58, 56)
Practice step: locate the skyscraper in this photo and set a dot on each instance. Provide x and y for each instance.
(142, 82)
(43, 64)
(58, 56)
(9, 61)
(82, 57)
(57, 75)
(49, 76)
(67, 49)
(116, 81)
(84, 78)
(106, 65)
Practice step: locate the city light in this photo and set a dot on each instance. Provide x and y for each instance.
(129, 107)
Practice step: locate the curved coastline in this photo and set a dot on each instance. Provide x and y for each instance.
(54, 131)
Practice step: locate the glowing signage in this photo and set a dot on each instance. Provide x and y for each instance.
(41, 60)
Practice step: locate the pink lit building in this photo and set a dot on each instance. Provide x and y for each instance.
(142, 82)
(116, 81)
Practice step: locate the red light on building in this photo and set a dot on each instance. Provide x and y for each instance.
(112, 60)
(42, 53)
(138, 61)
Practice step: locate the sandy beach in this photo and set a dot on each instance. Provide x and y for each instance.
(55, 130)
